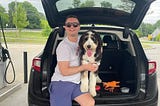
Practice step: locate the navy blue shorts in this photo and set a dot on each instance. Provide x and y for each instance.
(62, 93)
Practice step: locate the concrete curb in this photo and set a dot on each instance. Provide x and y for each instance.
(8, 90)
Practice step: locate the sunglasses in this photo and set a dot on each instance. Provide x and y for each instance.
(74, 24)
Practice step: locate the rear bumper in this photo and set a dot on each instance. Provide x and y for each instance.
(36, 98)
(151, 102)
(37, 101)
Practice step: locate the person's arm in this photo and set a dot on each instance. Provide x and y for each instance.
(67, 70)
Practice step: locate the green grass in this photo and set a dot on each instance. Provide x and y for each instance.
(25, 37)
(148, 44)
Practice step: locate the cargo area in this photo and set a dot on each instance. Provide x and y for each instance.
(117, 65)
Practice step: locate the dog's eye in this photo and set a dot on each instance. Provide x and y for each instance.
(93, 38)
(86, 38)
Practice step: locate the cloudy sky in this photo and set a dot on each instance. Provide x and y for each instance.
(153, 13)
(151, 17)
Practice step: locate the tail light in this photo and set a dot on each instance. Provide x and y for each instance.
(152, 67)
(36, 63)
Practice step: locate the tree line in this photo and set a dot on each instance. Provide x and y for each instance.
(23, 15)
(146, 29)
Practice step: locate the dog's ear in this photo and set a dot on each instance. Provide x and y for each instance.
(81, 42)
(81, 45)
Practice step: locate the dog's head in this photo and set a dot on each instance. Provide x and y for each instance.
(89, 42)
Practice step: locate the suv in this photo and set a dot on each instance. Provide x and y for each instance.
(123, 58)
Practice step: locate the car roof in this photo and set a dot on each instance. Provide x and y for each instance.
(123, 13)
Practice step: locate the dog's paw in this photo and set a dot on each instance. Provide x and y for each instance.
(92, 90)
(98, 80)
(93, 93)
(84, 87)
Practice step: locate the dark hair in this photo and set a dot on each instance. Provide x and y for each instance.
(71, 16)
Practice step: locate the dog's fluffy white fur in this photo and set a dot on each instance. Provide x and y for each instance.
(91, 51)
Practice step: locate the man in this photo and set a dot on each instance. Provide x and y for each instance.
(65, 82)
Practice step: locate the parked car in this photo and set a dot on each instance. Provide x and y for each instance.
(123, 60)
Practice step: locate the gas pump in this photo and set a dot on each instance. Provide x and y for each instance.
(2, 63)
(2, 69)
(5, 60)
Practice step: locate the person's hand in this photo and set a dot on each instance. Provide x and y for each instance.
(95, 67)
(91, 67)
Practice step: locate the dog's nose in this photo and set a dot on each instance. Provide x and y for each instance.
(88, 46)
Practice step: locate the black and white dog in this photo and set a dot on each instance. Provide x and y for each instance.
(91, 51)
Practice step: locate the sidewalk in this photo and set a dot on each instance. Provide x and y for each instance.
(18, 96)
(8, 90)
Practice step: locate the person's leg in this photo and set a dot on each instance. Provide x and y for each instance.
(84, 99)
(60, 93)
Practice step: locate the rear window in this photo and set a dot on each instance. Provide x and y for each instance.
(122, 5)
